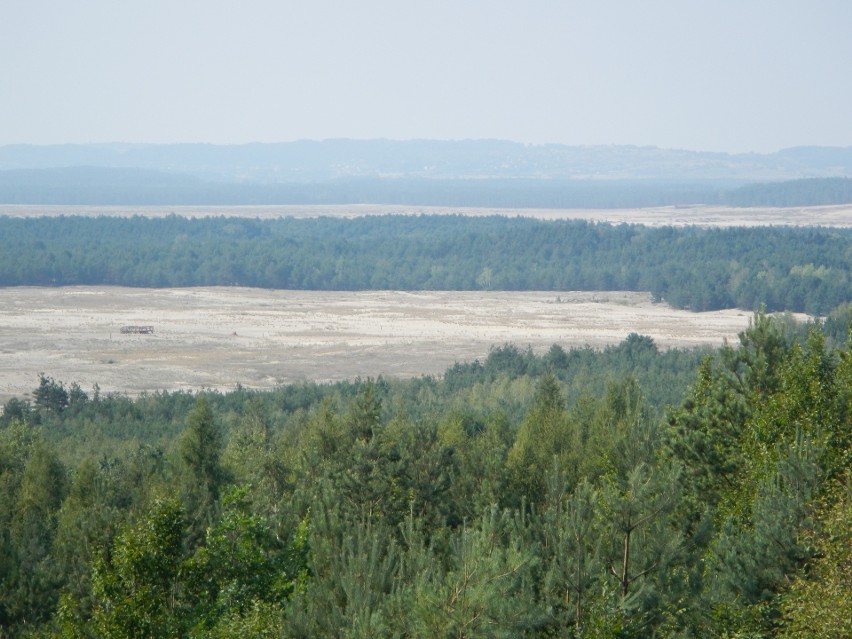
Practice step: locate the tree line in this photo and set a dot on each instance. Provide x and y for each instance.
(795, 269)
(554, 495)
(485, 186)
(804, 192)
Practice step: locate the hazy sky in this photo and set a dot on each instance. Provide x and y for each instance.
(725, 75)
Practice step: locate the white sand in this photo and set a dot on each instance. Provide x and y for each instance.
(218, 337)
(698, 215)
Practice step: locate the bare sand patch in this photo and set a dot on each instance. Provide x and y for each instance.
(698, 215)
(219, 337)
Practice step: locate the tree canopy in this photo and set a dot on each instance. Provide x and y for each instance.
(794, 269)
(628, 492)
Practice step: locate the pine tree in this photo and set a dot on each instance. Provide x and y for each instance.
(31, 591)
(353, 566)
(543, 436)
(571, 548)
(486, 590)
(756, 554)
(51, 396)
(706, 436)
(200, 450)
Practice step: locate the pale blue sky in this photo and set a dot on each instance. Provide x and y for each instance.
(718, 75)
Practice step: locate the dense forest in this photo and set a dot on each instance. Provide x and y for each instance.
(794, 269)
(144, 187)
(807, 192)
(627, 492)
(112, 186)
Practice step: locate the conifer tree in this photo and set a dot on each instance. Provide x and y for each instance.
(353, 565)
(543, 435)
(51, 396)
(571, 547)
(706, 436)
(200, 450)
(486, 589)
(30, 592)
(756, 554)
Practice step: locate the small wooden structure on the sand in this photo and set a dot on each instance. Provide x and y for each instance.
(137, 330)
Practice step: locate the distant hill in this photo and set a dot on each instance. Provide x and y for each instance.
(310, 161)
(489, 173)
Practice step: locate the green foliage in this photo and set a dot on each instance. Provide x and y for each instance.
(152, 583)
(366, 413)
(805, 402)
(16, 410)
(572, 550)
(817, 604)
(137, 589)
(261, 621)
(796, 269)
(33, 486)
(706, 436)
(543, 435)
(50, 395)
(243, 574)
(763, 428)
(526, 496)
(253, 456)
(756, 363)
(200, 450)
(640, 542)
(486, 590)
(87, 523)
(353, 567)
(754, 559)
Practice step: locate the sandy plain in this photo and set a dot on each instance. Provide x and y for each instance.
(219, 337)
(698, 215)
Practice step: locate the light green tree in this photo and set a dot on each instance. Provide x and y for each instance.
(138, 589)
(543, 436)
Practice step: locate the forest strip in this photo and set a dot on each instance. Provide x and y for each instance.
(837, 216)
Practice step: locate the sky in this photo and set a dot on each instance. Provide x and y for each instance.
(707, 75)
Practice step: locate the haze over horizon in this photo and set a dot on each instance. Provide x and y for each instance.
(728, 76)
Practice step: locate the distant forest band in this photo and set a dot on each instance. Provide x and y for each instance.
(779, 268)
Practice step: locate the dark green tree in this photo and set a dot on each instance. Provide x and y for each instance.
(200, 451)
(31, 589)
(487, 588)
(706, 436)
(571, 548)
(51, 396)
(754, 558)
(87, 523)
